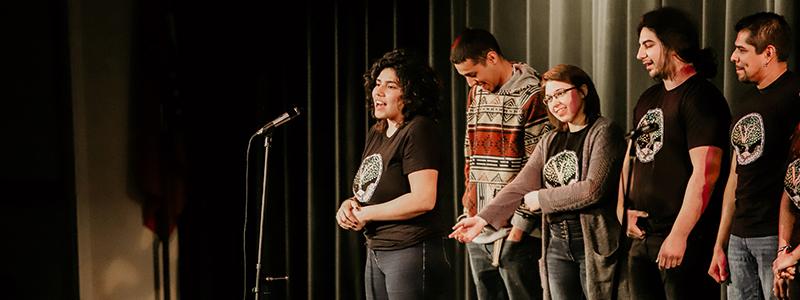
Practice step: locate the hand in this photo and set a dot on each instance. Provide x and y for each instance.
(361, 215)
(719, 266)
(515, 234)
(782, 262)
(780, 288)
(634, 231)
(532, 201)
(467, 229)
(345, 216)
(671, 253)
(788, 273)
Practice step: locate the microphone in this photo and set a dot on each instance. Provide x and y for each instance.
(285, 117)
(636, 133)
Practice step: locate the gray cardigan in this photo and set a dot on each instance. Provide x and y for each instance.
(594, 197)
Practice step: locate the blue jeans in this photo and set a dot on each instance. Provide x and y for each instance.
(517, 276)
(417, 272)
(566, 261)
(750, 262)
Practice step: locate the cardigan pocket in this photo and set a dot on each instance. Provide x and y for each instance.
(602, 267)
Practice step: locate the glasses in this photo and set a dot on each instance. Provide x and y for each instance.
(556, 94)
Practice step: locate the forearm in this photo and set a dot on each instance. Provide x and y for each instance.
(571, 197)
(499, 212)
(620, 200)
(728, 208)
(506, 202)
(785, 222)
(404, 207)
(420, 199)
(624, 182)
(690, 213)
(468, 199)
(706, 161)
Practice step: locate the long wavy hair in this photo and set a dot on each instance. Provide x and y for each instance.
(678, 33)
(420, 85)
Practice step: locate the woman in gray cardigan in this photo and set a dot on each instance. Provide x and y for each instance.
(571, 178)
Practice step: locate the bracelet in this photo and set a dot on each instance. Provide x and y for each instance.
(785, 248)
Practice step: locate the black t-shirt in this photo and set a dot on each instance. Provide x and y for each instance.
(763, 124)
(691, 115)
(563, 165)
(383, 176)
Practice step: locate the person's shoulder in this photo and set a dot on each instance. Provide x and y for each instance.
(525, 76)
(652, 90)
(701, 85)
(792, 77)
(705, 91)
(603, 124)
(792, 82)
(374, 132)
(421, 123)
(373, 129)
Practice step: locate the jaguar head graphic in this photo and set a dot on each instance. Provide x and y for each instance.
(367, 178)
(648, 144)
(747, 138)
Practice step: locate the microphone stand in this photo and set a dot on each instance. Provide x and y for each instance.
(632, 136)
(257, 288)
(624, 239)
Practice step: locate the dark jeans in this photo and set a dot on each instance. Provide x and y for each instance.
(687, 281)
(566, 261)
(417, 272)
(517, 277)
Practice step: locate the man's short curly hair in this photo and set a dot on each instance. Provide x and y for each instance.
(420, 85)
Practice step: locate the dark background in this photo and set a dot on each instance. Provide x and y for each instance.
(215, 72)
(218, 71)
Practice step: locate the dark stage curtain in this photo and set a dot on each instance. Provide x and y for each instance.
(242, 65)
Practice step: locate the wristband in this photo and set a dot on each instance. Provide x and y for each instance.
(785, 248)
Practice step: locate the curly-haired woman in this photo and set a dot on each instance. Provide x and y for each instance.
(395, 199)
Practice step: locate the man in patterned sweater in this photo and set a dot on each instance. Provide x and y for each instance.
(505, 119)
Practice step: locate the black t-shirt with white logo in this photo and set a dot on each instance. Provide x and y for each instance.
(762, 125)
(563, 165)
(791, 182)
(383, 176)
(691, 115)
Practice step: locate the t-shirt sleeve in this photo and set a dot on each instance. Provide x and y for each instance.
(420, 149)
(706, 118)
(792, 108)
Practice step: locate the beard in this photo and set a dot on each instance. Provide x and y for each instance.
(664, 71)
(745, 77)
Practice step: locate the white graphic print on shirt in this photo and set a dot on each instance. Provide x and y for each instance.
(791, 183)
(648, 144)
(561, 169)
(367, 178)
(747, 138)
